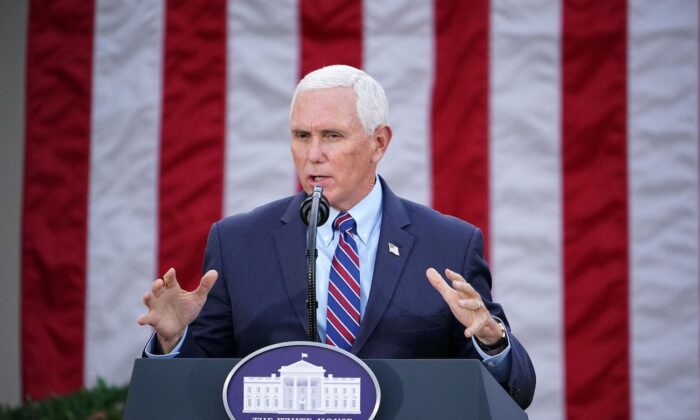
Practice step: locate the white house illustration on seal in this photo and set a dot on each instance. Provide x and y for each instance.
(301, 388)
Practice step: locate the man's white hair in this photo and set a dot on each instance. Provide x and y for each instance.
(371, 103)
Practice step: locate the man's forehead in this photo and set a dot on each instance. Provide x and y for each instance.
(323, 106)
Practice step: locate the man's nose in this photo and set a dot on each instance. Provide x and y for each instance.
(316, 149)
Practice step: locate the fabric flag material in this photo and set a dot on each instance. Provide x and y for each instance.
(566, 130)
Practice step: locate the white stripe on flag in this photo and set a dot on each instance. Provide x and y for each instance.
(525, 188)
(123, 183)
(663, 168)
(398, 52)
(262, 71)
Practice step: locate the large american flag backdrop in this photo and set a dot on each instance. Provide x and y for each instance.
(567, 130)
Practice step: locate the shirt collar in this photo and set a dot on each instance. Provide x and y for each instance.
(366, 213)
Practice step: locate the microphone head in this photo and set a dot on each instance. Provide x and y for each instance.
(323, 208)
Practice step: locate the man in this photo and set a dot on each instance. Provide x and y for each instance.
(375, 253)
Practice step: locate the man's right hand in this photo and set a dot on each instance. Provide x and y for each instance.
(171, 309)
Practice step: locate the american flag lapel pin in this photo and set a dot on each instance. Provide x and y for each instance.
(393, 249)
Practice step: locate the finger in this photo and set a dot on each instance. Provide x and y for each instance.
(169, 278)
(458, 282)
(454, 276)
(473, 329)
(147, 299)
(471, 304)
(206, 283)
(465, 289)
(439, 283)
(156, 286)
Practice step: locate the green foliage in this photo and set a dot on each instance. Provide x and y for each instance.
(100, 403)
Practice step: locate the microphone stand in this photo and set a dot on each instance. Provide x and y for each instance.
(311, 255)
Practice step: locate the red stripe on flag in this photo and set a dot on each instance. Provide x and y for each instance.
(331, 33)
(460, 116)
(192, 144)
(54, 226)
(595, 210)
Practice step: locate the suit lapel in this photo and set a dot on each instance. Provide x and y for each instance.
(388, 266)
(290, 242)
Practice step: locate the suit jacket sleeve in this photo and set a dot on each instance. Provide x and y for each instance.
(520, 383)
(211, 334)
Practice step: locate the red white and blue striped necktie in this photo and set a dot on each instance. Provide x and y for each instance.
(344, 287)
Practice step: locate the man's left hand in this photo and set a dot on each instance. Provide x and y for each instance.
(466, 305)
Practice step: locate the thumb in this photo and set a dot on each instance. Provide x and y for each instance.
(207, 282)
(170, 278)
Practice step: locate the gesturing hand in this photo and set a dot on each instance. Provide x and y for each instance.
(171, 309)
(466, 305)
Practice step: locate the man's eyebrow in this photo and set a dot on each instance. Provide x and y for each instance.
(332, 131)
(324, 131)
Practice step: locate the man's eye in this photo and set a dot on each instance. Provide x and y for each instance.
(301, 135)
(333, 135)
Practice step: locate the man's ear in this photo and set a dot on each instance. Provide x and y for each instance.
(380, 141)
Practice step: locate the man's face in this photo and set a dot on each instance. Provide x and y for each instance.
(330, 147)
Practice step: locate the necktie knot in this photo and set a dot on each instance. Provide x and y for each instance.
(344, 223)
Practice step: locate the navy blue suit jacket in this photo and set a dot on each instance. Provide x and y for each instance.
(260, 296)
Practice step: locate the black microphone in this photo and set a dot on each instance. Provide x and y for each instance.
(319, 200)
(314, 212)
